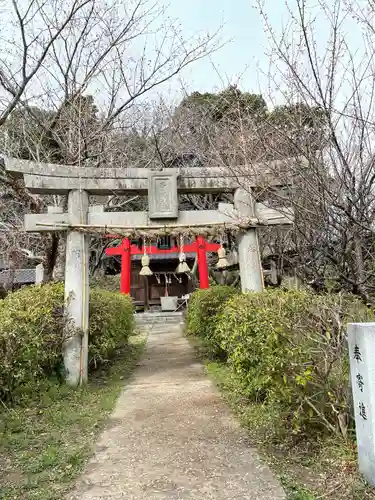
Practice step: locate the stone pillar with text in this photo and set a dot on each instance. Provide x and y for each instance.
(77, 292)
(251, 272)
(361, 340)
(39, 274)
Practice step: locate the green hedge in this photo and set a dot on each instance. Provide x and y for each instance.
(289, 348)
(32, 330)
(111, 323)
(202, 314)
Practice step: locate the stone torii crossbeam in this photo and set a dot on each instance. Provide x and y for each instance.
(162, 188)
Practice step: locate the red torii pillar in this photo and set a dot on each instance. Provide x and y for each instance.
(125, 250)
(201, 245)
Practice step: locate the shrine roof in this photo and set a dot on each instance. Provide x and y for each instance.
(21, 276)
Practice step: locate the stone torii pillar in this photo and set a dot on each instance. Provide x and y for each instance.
(251, 272)
(77, 292)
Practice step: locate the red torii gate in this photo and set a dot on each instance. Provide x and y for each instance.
(126, 250)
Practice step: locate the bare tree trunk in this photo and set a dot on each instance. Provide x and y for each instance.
(58, 272)
(360, 268)
(10, 280)
(51, 256)
(194, 271)
(15, 260)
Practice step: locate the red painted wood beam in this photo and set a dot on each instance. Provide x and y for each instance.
(114, 250)
(190, 247)
(153, 250)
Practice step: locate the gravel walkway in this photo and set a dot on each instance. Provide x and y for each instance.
(172, 437)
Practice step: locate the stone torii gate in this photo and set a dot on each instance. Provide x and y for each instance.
(162, 188)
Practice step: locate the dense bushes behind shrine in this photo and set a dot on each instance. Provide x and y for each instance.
(32, 326)
(107, 282)
(286, 349)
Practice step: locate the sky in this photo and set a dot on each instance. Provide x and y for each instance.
(242, 60)
(241, 32)
(242, 29)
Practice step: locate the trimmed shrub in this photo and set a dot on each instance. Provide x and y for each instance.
(203, 312)
(31, 326)
(111, 323)
(290, 348)
(32, 333)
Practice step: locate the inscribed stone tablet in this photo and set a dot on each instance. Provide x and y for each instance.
(162, 195)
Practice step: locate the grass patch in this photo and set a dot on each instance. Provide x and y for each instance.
(308, 469)
(45, 442)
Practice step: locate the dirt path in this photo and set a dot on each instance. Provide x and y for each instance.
(172, 437)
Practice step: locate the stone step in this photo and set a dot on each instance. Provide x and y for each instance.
(147, 330)
(159, 326)
(162, 318)
(159, 322)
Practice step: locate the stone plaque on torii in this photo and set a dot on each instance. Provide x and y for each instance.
(162, 188)
(162, 195)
